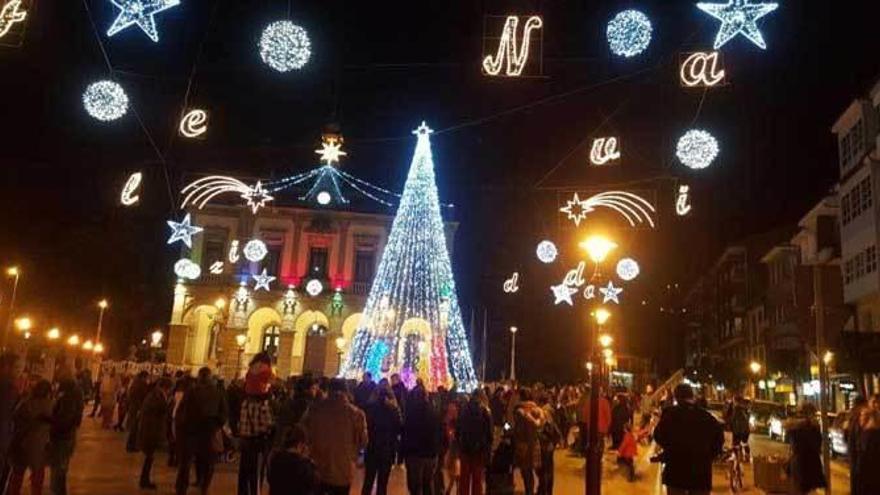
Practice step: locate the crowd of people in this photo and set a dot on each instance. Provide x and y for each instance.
(309, 435)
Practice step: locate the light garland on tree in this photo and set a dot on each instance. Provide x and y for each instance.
(378, 351)
(186, 268)
(255, 250)
(546, 252)
(194, 123)
(701, 69)
(140, 12)
(604, 150)
(284, 46)
(314, 287)
(414, 280)
(105, 100)
(629, 33)
(738, 17)
(697, 149)
(682, 203)
(12, 13)
(183, 231)
(262, 281)
(509, 54)
(627, 269)
(128, 196)
(632, 207)
(199, 192)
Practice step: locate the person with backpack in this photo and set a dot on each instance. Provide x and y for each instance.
(739, 424)
(474, 437)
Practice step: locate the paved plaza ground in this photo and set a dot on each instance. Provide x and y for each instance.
(102, 467)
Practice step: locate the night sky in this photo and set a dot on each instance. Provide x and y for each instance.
(503, 151)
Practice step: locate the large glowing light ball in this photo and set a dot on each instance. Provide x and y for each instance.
(314, 287)
(547, 252)
(284, 46)
(627, 269)
(697, 149)
(324, 198)
(186, 268)
(105, 100)
(255, 250)
(629, 33)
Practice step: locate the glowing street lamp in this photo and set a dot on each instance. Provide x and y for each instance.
(102, 306)
(240, 340)
(513, 331)
(53, 334)
(156, 339)
(12, 272)
(605, 340)
(598, 247)
(99, 348)
(73, 340)
(220, 303)
(755, 367)
(340, 348)
(828, 357)
(23, 324)
(88, 345)
(602, 315)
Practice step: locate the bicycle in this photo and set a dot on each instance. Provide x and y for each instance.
(733, 457)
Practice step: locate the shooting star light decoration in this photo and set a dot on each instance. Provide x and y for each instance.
(632, 207)
(199, 192)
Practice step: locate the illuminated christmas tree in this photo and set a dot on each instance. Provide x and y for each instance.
(412, 322)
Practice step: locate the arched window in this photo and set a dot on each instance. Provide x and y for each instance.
(271, 340)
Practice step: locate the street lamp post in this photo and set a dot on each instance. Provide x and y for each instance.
(755, 368)
(102, 305)
(240, 341)
(513, 331)
(340, 347)
(12, 272)
(597, 248)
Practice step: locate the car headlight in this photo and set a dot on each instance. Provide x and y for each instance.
(752, 421)
(775, 426)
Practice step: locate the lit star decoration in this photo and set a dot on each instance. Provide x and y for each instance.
(546, 252)
(629, 33)
(201, 191)
(262, 281)
(563, 293)
(697, 149)
(186, 268)
(255, 250)
(256, 197)
(314, 287)
(128, 196)
(11, 13)
(105, 100)
(194, 123)
(738, 17)
(331, 150)
(610, 293)
(516, 57)
(140, 12)
(632, 207)
(183, 231)
(627, 269)
(414, 277)
(284, 46)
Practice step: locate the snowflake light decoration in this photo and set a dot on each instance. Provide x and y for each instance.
(183, 231)
(186, 268)
(331, 151)
(697, 149)
(627, 269)
(546, 252)
(255, 250)
(314, 287)
(140, 12)
(105, 100)
(262, 281)
(738, 17)
(284, 46)
(629, 33)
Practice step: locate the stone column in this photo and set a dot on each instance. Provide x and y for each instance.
(285, 353)
(177, 337)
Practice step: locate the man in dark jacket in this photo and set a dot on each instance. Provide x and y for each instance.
(473, 434)
(691, 439)
(137, 392)
(9, 370)
(383, 429)
(201, 415)
(66, 418)
(420, 442)
(364, 391)
(151, 428)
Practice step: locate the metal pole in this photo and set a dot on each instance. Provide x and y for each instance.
(819, 306)
(593, 466)
(11, 313)
(513, 355)
(100, 323)
(483, 348)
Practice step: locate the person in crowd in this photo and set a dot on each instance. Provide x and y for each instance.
(336, 432)
(474, 438)
(122, 402)
(200, 418)
(550, 437)
(400, 393)
(291, 471)
(182, 385)
(28, 450)
(10, 368)
(109, 390)
(604, 417)
(868, 460)
(66, 417)
(853, 435)
(364, 391)
(620, 416)
(256, 425)
(451, 461)
(527, 423)
(805, 464)
(739, 423)
(691, 438)
(293, 407)
(627, 451)
(152, 424)
(420, 442)
(84, 379)
(137, 392)
(384, 422)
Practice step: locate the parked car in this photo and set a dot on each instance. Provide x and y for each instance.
(839, 433)
(716, 409)
(768, 418)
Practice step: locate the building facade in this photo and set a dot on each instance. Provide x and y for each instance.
(323, 263)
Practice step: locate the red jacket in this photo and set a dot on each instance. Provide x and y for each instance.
(604, 414)
(628, 446)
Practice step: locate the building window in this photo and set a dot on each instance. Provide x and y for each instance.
(271, 340)
(318, 262)
(851, 145)
(272, 261)
(364, 264)
(857, 200)
(213, 250)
